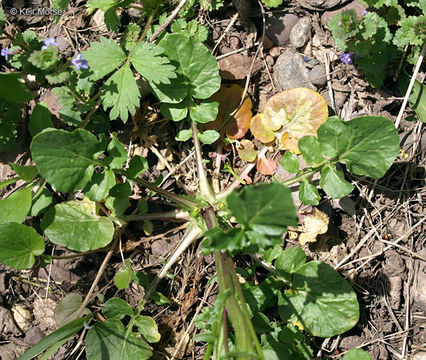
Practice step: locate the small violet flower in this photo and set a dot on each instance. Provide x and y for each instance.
(339, 23)
(79, 63)
(49, 41)
(347, 58)
(6, 52)
(365, 12)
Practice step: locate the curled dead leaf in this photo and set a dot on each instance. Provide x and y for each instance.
(313, 226)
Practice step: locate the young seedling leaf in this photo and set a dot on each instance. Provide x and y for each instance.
(118, 199)
(15, 208)
(40, 202)
(368, 145)
(75, 225)
(99, 186)
(356, 354)
(116, 308)
(26, 173)
(147, 328)
(19, 244)
(184, 135)
(137, 166)
(175, 112)
(319, 292)
(289, 261)
(308, 193)
(310, 149)
(65, 159)
(123, 275)
(117, 154)
(40, 119)
(232, 118)
(13, 89)
(147, 60)
(103, 57)
(197, 70)
(121, 93)
(290, 162)
(334, 184)
(111, 340)
(208, 137)
(204, 112)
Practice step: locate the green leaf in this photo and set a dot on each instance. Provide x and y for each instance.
(356, 354)
(117, 154)
(40, 202)
(310, 149)
(209, 136)
(184, 135)
(2, 17)
(67, 309)
(15, 208)
(290, 162)
(116, 308)
(103, 57)
(368, 145)
(19, 244)
(118, 199)
(271, 208)
(65, 331)
(147, 61)
(147, 328)
(191, 29)
(40, 119)
(417, 97)
(123, 275)
(75, 225)
(65, 159)
(175, 112)
(197, 70)
(99, 186)
(218, 240)
(308, 193)
(45, 59)
(407, 34)
(121, 93)
(26, 173)
(204, 112)
(289, 261)
(137, 166)
(319, 292)
(334, 184)
(12, 88)
(110, 340)
(272, 3)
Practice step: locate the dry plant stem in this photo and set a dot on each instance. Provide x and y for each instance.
(193, 233)
(410, 87)
(98, 275)
(174, 215)
(232, 22)
(168, 21)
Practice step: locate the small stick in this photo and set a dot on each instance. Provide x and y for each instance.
(410, 87)
(232, 22)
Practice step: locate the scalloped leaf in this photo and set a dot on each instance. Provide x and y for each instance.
(260, 130)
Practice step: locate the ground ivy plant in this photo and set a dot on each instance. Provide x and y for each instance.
(310, 297)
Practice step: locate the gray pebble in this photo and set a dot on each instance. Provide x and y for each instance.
(290, 71)
(299, 35)
(278, 28)
(318, 76)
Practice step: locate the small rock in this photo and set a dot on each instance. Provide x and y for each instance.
(318, 76)
(290, 71)
(234, 43)
(353, 5)
(44, 314)
(22, 316)
(420, 356)
(278, 28)
(63, 44)
(224, 49)
(269, 60)
(299, 35)
(34, 335)
(7, 324)
(237, 66)
(160, 248)
(275, 52)
(320, 4)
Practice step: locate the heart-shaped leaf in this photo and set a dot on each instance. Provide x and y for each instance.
(75, 225)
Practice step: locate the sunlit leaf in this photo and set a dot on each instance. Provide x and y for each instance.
(246, 150)
(260, 130)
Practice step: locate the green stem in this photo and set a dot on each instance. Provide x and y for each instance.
(176, 215)
(179, 200)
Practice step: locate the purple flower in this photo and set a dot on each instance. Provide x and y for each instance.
(365, 12)
(79, 63)
(339, 23)
(49, 41)
(6, 52)
(347, 58)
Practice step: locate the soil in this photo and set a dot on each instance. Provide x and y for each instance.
(389, 279)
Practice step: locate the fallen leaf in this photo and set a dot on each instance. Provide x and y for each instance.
(313, 226)
(260, 130)
(246, 151)
(266, 166)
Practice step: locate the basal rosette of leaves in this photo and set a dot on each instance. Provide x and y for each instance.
(288, 116)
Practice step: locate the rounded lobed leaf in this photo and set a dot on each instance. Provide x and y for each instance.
(260, 130)
(246, 150)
